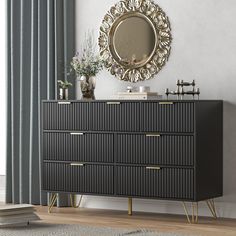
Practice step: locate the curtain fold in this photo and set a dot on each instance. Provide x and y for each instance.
(41, 42)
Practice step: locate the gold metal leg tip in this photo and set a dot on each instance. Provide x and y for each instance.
(212, 208)
(52, 202)
(193, 219)
(130, 206)
(73, 201)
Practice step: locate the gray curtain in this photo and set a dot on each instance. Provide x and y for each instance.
(40, 46)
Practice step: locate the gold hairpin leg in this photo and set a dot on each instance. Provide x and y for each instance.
(52, 201)
(194, 212)
(186, 212)
(73, 200)
(211, 206)
(194, 218)
(130, 206)
(80, 200)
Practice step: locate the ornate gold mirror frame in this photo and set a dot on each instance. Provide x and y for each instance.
(154, 62)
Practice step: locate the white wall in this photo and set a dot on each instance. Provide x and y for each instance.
(3, 87)
(203, 48)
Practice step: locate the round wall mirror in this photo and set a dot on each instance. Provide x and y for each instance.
(135, 40)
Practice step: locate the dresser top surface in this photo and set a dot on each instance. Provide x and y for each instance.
(112, 100)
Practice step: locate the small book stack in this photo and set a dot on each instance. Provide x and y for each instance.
(137, 96)
(17, 214)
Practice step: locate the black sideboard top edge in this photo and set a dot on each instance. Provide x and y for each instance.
(112, 100)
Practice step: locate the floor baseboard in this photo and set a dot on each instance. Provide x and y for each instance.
(224, 210)
(2, 188)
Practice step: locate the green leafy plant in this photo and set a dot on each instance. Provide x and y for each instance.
(87, 61)
(64, 84)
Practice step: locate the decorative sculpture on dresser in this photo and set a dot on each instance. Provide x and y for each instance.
(180, 91)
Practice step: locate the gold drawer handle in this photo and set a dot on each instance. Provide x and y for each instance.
(76, 164)
(153, 135)
(64, 103)
(153, 168)
(113, 103)
(76, 133)
(166, 103)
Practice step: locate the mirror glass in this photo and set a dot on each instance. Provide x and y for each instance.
(134, 41)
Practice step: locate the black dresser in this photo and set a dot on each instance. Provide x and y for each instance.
(141, 149)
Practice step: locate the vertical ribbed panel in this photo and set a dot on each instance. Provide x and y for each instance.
(97, 179)
(131, 148)
(122, 117)
(178, 117)
(74, 116)
(165, 183)
(87, 147)
(165, 150)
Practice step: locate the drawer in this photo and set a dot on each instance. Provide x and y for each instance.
(65, 116)
(76, 146)
(115, 116)
(155, 149)
(96, 179)
(167, 117)
(167, 183)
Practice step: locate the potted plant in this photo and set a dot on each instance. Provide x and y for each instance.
(87, 64)
(63, 89)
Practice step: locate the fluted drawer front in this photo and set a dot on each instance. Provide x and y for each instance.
(167, 117)
(97, 179)
(66, 116)
(75, 146)
(115, 116)
(155, 149)
(168, 183)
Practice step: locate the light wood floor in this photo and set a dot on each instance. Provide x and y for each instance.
(120, 219)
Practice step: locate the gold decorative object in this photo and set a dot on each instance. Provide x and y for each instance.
(135, 40)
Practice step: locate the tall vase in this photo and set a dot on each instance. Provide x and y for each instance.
(87, 86)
